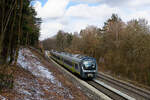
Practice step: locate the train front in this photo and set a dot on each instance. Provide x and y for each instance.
(89, 68)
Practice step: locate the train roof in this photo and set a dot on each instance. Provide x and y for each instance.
(74, 57)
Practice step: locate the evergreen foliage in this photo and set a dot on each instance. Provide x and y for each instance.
(18, 26)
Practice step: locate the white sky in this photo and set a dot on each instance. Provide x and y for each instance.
(74, 15)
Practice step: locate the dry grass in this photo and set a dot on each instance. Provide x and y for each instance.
(6, 77)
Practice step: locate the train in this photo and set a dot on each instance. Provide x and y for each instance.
(84, 66)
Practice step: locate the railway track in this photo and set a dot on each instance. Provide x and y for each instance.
(136, 92)
(108, 91)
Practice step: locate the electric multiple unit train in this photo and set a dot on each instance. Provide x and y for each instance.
(84, 66)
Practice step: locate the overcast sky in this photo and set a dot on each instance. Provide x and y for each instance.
(74, 15)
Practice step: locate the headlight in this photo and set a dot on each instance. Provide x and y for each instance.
(93, 65)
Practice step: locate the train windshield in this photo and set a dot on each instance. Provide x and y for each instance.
(89, 63)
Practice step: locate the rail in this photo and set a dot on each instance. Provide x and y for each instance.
(140, 93)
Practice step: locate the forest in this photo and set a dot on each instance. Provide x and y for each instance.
(121, 48)
(19, 26)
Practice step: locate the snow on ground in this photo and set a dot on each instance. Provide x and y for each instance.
(34, 66)
(45, 81)
(2, 98)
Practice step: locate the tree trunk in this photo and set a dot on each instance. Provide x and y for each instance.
(11, 35)
(19, 31)
(5, 22)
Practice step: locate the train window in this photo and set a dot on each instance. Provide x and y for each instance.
(56, 57)
(76, 66)
(68, 62)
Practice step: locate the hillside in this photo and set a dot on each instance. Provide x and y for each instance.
(36, 79)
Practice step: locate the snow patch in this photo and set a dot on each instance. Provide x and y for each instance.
(30, 62)
(34, 66)
(25, 92)
(2, 98)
